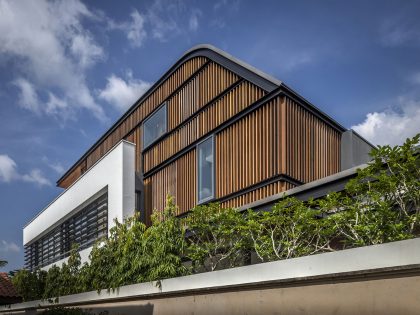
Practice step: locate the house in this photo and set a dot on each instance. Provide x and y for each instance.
(212, 128)
(8, 294)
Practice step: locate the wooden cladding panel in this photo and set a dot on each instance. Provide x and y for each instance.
(220, 111)
(311, 147)
(257, 194)
(246, 151)
(72, 177)
(174, 81)
(177, 179)
(205, 86)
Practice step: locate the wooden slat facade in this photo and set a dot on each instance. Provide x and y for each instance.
(177, 179)
(275, 146)
(202, 124)
(312, 148)
(177, 79)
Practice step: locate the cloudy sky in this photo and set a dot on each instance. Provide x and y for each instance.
(69, 69)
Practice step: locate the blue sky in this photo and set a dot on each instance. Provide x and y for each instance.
(69, 69)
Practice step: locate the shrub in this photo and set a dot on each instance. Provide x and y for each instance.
(30, 285)
(381, 204)
(217, 237)
(291, 229)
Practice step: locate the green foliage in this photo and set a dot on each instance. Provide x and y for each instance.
(381, 204)
(165, 244)
(134, 254)
(30, 285)
(291, 229)
(217, 237)
(64, 280)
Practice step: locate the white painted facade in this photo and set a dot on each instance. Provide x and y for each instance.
(114, 172)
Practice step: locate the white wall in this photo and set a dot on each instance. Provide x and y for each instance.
(116, 171)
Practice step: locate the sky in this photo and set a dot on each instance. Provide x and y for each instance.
(69, 69)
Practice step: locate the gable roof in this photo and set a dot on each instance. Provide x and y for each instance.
(244, 70)
(7, 290)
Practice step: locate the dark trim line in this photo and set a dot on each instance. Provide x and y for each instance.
(265, 182)
(229, 62)
(271, 180)
(219, 128)
(144, 121)
(208, 51)
(194, 115)
(311, 108)
(265, 99)
(128, 113)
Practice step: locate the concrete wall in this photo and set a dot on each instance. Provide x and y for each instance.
(326, 297)
(380, 279)
(115, 172)
(354, 150)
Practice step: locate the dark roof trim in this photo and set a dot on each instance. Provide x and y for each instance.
(315, 189)
(240, 68)
(231, 63)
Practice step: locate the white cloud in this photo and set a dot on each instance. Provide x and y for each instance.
(85, 50)
(399, 31)
(391, 126)
(9, 247)
(415, 79)
(134, 29)
(8, 170)
(35, 176)
(56, 166)
(296, 60)
(9, 173)
(193, 23)
(48, 41)
(28, 97)
(122, 93)
(136, 32)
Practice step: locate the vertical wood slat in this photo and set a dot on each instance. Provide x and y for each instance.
(205, 86)
(177, 179)
(244, 151)
(313, 147)
(257, 194)
(220, 111)
(145, 108)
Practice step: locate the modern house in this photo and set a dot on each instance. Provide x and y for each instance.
(211, 129)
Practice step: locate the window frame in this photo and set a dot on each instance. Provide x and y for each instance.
(213, 172)
(163, 105)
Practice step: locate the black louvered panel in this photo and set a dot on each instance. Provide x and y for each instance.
(83, 228)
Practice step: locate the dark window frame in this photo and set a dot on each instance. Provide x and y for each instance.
(213, 171)
(153, 114)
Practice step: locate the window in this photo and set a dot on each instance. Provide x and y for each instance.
(154, 126)
(83, 228)
(205, 170)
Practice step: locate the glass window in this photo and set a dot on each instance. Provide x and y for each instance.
(154, 126)
(205, 170)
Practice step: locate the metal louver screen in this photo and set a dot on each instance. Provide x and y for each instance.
(83, 228)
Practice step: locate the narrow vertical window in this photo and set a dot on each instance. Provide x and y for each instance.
(154, 126)
(205, 170)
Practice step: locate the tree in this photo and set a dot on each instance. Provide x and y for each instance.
(164, 244)
(29, 285)
(382, 203)
(217, 237)
(291, 229)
